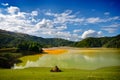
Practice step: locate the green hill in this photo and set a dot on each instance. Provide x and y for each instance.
(109, 42)
(113, 43)
(12, 39)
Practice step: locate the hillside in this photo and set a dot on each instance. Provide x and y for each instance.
(109, 42)
(12, 39)
(113, 43)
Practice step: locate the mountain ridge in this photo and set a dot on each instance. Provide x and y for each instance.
(12, 39)
(9, 39)
(108, 42)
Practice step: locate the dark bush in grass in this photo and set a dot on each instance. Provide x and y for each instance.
(7, 60)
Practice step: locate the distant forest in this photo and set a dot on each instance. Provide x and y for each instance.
(108, 42)
(11, 39)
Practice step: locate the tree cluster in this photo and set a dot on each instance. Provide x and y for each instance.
(109, 42)
(7, 60)
(29, 48)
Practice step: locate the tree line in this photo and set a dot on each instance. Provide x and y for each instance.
(8, 59)
(108, 42)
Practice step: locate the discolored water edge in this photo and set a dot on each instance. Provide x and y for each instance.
(78, 58)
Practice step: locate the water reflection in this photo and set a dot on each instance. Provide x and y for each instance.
(79, 59)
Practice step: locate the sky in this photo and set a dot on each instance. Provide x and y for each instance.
(68, 19)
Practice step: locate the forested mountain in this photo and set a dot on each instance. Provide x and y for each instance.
(11, 39)
(110, 42)
(113, 43)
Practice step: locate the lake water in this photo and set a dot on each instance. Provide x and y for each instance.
(79, 58)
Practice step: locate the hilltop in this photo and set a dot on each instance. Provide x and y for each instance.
(12, 39)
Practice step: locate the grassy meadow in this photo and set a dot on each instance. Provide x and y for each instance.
(108, 73)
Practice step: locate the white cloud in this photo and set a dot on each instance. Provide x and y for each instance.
(68, 36)
(65, 17)
(13, 10)
(70, 18)
(77, 30)
(91, 33)
(113, 18)
(5, 4)
(111, 28)
(34, 13)
(16, 22)
(52, 25)
(23, 22)
(114, 25)
(106, 13)
(93, 20)
(44, 23)
(49, 13)
(62, 27)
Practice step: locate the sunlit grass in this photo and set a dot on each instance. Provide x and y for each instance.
(108, 73)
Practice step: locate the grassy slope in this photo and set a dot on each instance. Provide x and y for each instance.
(109, 73)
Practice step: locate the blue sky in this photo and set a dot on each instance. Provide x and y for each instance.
(68, 19)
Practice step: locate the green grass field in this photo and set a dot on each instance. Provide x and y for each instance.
(108, 73)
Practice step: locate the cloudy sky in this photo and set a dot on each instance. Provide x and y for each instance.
(68, 19)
